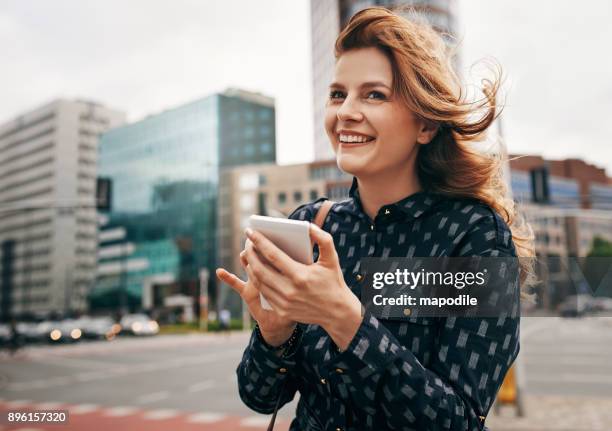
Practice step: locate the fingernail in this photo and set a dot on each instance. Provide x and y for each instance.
(248, 232)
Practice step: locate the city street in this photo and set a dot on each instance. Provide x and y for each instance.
(187, 382)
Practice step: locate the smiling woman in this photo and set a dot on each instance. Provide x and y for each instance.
(398, 123)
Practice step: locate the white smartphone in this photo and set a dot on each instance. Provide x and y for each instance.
(291, 236)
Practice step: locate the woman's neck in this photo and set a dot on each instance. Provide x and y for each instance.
(379, 190)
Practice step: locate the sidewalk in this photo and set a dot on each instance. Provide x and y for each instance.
(548, 413)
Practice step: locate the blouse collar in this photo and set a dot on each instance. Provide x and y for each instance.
(414, 205)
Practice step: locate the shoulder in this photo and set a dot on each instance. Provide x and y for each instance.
(307, 211)
(480, 229)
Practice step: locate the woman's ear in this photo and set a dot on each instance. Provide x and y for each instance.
(427, 131)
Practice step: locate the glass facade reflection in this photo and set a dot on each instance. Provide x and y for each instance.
(165, 175)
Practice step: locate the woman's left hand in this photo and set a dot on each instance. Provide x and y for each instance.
(313, 293)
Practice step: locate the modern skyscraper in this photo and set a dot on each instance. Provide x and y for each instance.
(48, 226)
(328, 17)
(165, 176)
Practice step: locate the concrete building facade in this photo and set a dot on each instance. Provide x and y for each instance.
(48, 159)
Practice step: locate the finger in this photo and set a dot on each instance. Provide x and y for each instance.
(327, 250)
(262, 271)
(227, 277)
(271, 295)
(243, 260)
(274, 255)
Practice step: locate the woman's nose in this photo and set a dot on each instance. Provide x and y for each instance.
(349, 111)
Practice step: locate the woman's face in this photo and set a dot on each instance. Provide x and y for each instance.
(370, 129)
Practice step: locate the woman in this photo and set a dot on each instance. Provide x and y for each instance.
(397, 123)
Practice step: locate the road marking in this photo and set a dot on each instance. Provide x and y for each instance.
(151, 398)
(603, 379)
(255, 421)
(551, 359)
(161, 414)
(130, 370)
(78, 363)
(120, 411)
(206, 417)
(48, 406)
(18, 403)
(81, 409)
(206, 384)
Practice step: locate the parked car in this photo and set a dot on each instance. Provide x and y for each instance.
(68, 330)
(99, 327)
(139, 324)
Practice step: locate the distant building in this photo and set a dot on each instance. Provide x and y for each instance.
(48, 159)
(328, 17)
(165, 176)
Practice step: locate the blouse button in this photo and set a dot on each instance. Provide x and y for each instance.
(323, 381)
(359, 277)
(407, 311)
(387, 212)
(338, 429)
(339, 370)
(371, 227)
(282, 370)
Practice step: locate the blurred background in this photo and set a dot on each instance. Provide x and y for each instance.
(137, 137)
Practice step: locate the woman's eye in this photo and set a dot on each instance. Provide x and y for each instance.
(335, 94)
(376, 95)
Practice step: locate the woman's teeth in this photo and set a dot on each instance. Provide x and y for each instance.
(355, 138)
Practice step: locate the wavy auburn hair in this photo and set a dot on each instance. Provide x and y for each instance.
(425, 80)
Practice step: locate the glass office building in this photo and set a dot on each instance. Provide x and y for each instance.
(164, 171)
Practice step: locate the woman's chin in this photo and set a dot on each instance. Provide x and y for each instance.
(350, 163)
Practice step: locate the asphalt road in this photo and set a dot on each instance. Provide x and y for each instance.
(188, 382)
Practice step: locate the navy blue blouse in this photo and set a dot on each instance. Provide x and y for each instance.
(396, 374)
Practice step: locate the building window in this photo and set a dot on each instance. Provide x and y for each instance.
(282, 197)
(297, 196)
(313, 195)
(266, 147)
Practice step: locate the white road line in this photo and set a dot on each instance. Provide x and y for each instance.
(81, 409)
(173, 363)
(48, 406)
(157, 415)
(153, 397)
(551, 359)
(72, 362)
(120, 411)
(206, 418)
(201, 386)
(603, 379)
(18, 403)
(255, 421)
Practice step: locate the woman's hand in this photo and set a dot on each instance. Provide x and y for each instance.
(314, 293)
(274, 328)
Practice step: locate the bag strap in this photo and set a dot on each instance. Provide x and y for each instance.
(322, 213)
(318, 220)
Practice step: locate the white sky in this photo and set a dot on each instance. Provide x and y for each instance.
(143, 56)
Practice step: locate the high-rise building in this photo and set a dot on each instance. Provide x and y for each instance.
(48, 226)
(164, 171)
(328, 17)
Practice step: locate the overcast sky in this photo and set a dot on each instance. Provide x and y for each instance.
(144, 56)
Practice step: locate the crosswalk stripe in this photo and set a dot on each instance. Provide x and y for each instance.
(161, 414)
(81, 409)
(255, 421)
(206, 417)
(120, 411)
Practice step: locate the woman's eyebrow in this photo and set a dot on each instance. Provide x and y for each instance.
(364, 85)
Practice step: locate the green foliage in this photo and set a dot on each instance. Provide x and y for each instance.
(600, 248)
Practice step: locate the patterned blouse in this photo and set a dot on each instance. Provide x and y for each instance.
(396, 374)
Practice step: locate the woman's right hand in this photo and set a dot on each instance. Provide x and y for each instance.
(274, 329)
